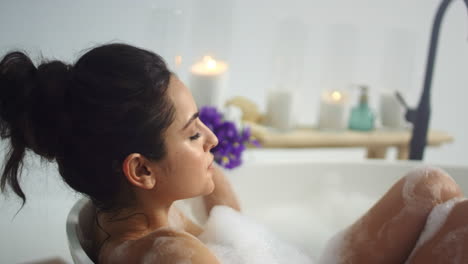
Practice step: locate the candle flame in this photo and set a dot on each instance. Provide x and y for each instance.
(210, 62)
(336, 96)
(209, 66)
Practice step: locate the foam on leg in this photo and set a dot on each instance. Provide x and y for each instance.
(425, 187)
(383, 229)
(436, 219)
(447, 248)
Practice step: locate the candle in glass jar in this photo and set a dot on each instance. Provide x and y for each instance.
(332, 110)
(208, 82)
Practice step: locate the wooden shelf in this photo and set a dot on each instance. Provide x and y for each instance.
(376, 141)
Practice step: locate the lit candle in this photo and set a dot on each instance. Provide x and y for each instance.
(208, 82)
(332, 110)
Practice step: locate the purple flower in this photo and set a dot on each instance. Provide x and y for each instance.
(211, 117)
(228, 152)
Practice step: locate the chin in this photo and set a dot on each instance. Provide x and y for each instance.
(210, 187)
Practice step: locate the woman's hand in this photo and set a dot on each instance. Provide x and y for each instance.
(223, 193)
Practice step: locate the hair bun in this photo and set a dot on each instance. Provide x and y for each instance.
(17, 80)
(32, 103)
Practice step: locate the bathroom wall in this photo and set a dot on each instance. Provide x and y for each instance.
(252, 36)
(249, 35)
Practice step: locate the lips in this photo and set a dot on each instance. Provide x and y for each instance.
(211, 163)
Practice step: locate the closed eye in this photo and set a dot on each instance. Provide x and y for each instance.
(195, 137)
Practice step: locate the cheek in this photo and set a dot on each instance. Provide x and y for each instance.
(188, 161)
(186, 169)
(191, 173)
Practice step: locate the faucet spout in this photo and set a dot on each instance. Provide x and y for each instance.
(420, 116)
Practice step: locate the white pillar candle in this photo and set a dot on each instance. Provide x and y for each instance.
(332, 110)
(208, 82)
(392, 113)
(280, 111)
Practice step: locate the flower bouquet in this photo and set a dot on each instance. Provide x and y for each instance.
(232, 140)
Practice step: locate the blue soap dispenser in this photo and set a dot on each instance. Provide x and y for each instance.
(362, 118)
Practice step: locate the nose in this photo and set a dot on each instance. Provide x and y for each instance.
(211, 140)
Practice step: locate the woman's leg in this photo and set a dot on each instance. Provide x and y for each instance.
(388, 232)
(445, 239)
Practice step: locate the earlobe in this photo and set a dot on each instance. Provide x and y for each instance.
(138, 172)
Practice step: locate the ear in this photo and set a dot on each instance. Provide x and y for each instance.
(139, 172)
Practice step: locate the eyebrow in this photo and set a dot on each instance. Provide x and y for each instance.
(194, 116)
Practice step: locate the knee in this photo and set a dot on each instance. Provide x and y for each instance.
(429, 186)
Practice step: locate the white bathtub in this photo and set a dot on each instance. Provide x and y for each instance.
(303, 202)
(307, 202)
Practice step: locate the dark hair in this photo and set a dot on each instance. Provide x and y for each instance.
(87, 117)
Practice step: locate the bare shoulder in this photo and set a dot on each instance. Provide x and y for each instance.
(163, 246)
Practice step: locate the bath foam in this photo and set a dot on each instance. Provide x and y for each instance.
(338, 248)
(316, 220)
(235, 239)
(434, 222)
(331, 254)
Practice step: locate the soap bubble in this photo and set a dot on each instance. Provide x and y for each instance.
(234, 238)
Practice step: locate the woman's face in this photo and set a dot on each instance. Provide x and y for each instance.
(188, 165)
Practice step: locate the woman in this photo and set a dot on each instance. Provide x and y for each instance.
(125, 132)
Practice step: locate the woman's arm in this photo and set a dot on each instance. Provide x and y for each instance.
(223, 193)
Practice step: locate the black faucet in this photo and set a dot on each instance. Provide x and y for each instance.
(420, 116)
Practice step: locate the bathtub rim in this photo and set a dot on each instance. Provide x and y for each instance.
(383, 163)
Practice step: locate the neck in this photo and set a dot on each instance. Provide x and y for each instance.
(139, 220)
